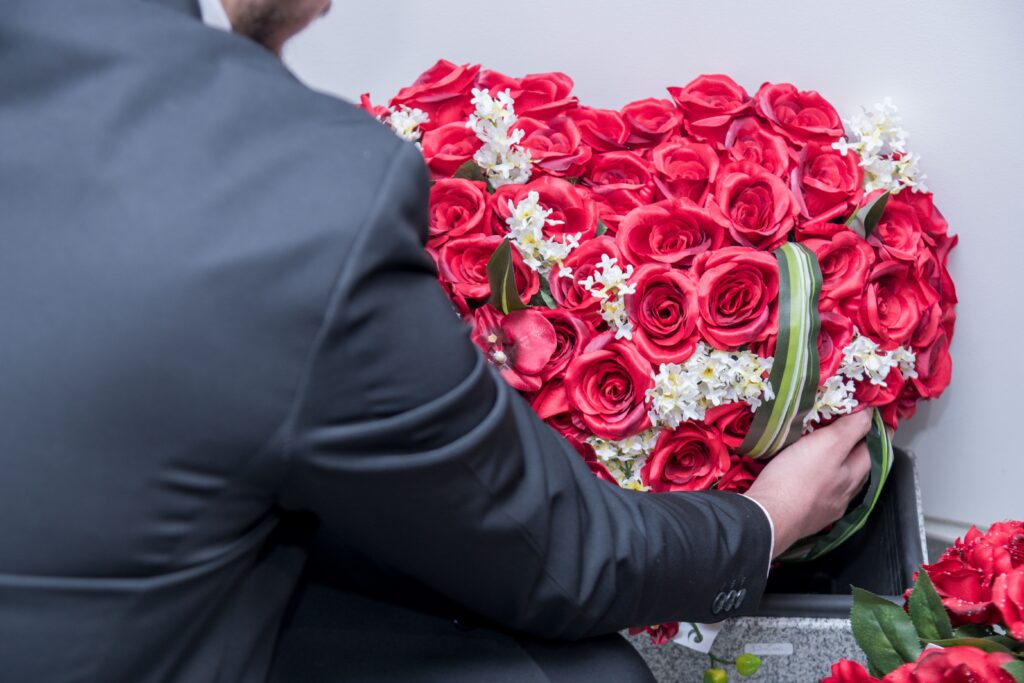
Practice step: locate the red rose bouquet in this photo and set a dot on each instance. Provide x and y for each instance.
(685, 286)
(963, 622)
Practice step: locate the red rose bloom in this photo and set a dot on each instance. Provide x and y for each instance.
(567, 292)
(741, 474)
(690, 457)
(597, 468)
(575, 209)
(827, 184)
(894, 302)
(555, 146)
(443, 92)
(520, 344)
(898, 233)
(551, 404)
(650, 121)
(671, 232)
(457, 207)
(801, 115)
(737, 290)
(685, 169)
(934, 367)
(845, 261)
(664, 311)
(959, 664)
(733, 420)
(572, 334)
(1008, 597)
(462, 263)
(377, 111)
(537, 96)
(846, 671)
(620, 180)
(757, 205)
(710, 103)
(934, 228)
(606, 387)
(604, 130)
(750, 140)
(836, 332)
(868, 394)
(448, 147)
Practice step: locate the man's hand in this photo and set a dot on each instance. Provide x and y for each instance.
(808, 486)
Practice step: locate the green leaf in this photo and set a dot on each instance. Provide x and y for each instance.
(883, 630)
(543, 297)
(864, 220)
(986, 644)
(926, 610)
(601, 227)
(972, 631)
(1015, 669)
(501, 275)
(471, 171)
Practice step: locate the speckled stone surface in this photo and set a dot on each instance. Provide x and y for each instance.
(816, 643)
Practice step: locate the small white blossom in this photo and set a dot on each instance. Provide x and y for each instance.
(707, 379)
(610, 284)
(878, 138)
(835, 397)
(906, 360)
(624, 459)
(862, 359)
(526, 230)
(501, 158)
(406, 122)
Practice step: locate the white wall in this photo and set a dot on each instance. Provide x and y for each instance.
(955, 68)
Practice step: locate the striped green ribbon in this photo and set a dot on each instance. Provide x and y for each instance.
(794, 379)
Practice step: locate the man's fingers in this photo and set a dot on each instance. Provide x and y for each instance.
(859, 464)
(848, 430)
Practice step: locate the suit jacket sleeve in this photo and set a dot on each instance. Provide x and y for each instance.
(411, 448)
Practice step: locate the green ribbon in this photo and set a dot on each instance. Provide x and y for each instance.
(794, 379)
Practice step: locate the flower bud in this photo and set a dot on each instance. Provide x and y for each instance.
(716, 676)
(748, 664)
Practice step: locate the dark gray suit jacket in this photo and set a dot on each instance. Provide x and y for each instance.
(216, 310)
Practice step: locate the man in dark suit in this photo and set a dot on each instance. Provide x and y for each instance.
(223, 349)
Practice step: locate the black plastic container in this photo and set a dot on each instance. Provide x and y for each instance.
(881, 558)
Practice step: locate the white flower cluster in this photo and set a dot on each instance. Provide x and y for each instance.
(610, 284)
(526, 230)
(862, 360)
(707, 379)
(501, 158)
(406, 122)
(878, 137)
(624, 459)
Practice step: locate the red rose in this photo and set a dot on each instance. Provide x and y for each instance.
(845, 261)
(575, 209)
(603, 129)
(742, 473)
(690, 457)
(750, 140)
(934, 367)
(650, 121)
(377, 111)
(898, 233)
(959, 664)
(537, 96)
(622, 181)
(965, 591)
(551, 404)
(519, 344)
(671, 232)
(598, 469)
(555, 146)
(827, 184)
(934, 227)
(733, 420)
(1008, 597)
(801, 115)
(572, 334)
(443, 92)
(894, 302)
(685, 169)
(606, 386)
(846, 671)
(463, 265)
(664, 311)
(836, 332)
(738, 290)
(448, 147)
(758, 206)
(582, 261)
(868, 394)
(457, 207)
(1009, 537)
(709, 104)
